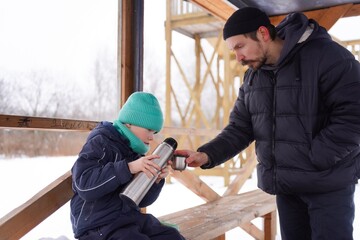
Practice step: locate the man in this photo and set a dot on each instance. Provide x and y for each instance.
(300, 103)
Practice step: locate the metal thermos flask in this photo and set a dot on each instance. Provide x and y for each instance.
(140, 185)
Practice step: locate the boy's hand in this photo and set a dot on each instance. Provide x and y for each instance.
(164, 172)
(145, 164)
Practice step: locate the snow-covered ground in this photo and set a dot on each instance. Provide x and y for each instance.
(21, 178)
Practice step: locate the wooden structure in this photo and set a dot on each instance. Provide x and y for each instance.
(215, 78)
(24, 218)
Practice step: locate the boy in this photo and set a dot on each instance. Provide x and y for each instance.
(111, 156)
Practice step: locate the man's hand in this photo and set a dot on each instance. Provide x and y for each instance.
(193, 159)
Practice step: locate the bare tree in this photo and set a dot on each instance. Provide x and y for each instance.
(6, 88)
(103, 100)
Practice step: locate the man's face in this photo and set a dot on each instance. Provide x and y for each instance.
(247, 51)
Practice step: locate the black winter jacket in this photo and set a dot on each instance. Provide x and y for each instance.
(303, 114)
(99, 175)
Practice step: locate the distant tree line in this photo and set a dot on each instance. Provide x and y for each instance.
(42, 94)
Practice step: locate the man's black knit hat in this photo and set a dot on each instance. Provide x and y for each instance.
(245, 20)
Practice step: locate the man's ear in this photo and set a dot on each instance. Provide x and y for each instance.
(264, 33)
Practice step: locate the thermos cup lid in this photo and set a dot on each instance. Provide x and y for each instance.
(172, 142)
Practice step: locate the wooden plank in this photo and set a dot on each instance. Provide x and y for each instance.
(42, 123)
(222, 237)
(225, 222)
(327, 17)
(212, 219)
(333, 14)
(189, 131)
(252, 230)
(354, 11)
(21, 220)
(223, 11)
(219, 9)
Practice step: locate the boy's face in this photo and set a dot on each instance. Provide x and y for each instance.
(145, 135)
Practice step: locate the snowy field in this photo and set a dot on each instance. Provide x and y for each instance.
(22, 178)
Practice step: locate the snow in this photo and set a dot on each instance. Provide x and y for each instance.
(21, 178)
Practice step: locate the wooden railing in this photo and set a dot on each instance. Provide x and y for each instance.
(23, 219)
(40, 123)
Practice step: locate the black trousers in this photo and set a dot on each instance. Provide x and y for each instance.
(138, 226)
(325, 216)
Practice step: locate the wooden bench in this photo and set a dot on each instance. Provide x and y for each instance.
(213, 219)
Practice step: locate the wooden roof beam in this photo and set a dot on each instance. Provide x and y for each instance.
(219, 9)
(327, 17)
(354, 11)
(331, 15)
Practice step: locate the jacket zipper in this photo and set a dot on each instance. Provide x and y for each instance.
(273, 131)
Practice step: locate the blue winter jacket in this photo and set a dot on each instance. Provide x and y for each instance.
(303, 114)
(99, 175)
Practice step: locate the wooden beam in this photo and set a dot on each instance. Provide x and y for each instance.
(331, 15)
(252, 230)
(219, 9)
(41, 123)
(326, 17)
(48, 124)
(131, 35)
(354, 11)
(242, 176)
(189, 131)
(196, 185)
(270, 225)
(126, 36)
(21, 220)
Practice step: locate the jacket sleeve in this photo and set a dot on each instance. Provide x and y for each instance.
(234, 138)
(99, 170)
(339, 87)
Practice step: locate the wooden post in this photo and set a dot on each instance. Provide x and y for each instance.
(270, 226)
(131, 52)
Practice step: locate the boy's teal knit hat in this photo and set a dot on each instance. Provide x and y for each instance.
(142, 109)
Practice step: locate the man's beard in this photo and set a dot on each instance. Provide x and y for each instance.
(254, 64)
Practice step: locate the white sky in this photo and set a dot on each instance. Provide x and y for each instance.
(36, 34)
(346, 29)
(67, 34)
